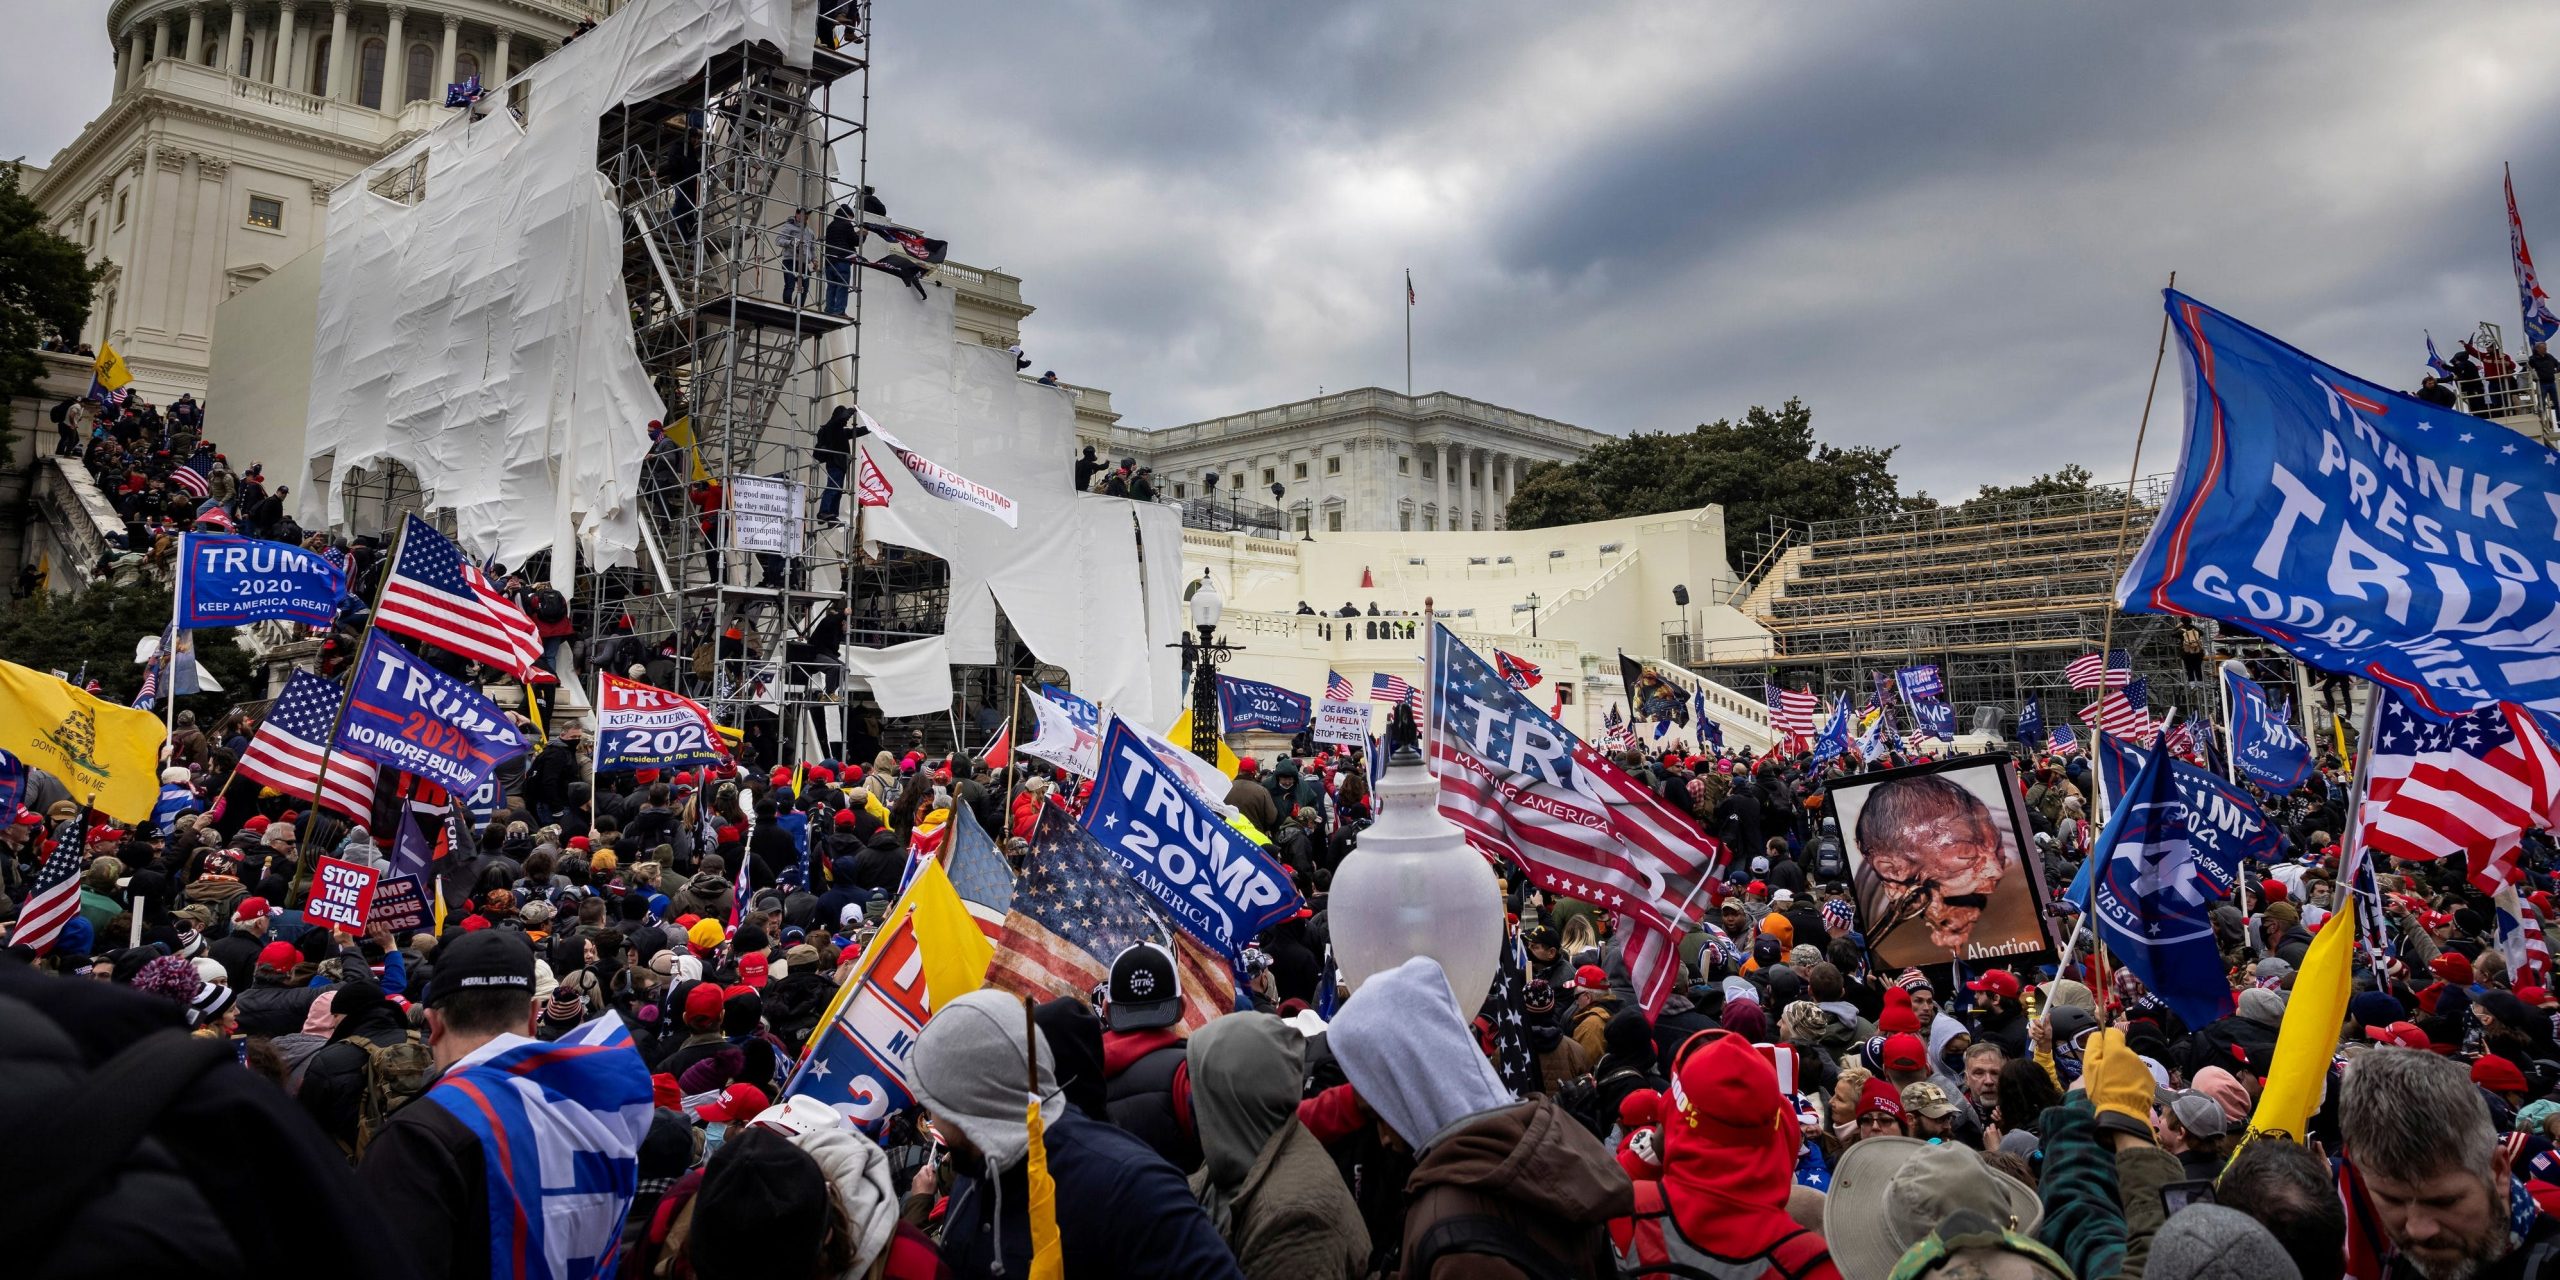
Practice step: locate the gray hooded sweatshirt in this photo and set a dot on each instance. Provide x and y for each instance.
(1247, 1072)
(968, 1070)
(1410, 1055)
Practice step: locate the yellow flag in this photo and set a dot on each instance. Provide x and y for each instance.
(109, 373)
(953, 949)
(1180, 736)
(93, 746)
(2309, 1037)
(681, 431)
(1048, 1260)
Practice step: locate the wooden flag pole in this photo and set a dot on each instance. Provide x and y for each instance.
(2107, 628)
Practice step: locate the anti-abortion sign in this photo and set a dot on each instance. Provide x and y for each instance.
(641, 726)
(2223, 824)
(2361, 529)
(410, 716)
(2266, 748)
(764, 515)
(224, 581)
(1344, 724)
(341, 895)
(1250, 704)
(943, 482)
(1217, 885)
(400, 903)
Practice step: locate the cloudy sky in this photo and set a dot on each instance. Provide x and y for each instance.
(1944, 225)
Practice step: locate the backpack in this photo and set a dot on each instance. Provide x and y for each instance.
(1580, 1098)
(1498, 1237)
(549, 606)
(394, 1076)
(1649, 1243)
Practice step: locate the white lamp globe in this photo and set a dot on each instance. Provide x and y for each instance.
(1413, 887)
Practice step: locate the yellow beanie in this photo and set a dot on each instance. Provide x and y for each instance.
(706, 934)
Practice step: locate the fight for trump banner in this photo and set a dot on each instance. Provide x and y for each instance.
(224, 581)
(941, 481)
(641, 726)
(1250, 704)
(1215, 884)
(409, 716)
(2360, 529)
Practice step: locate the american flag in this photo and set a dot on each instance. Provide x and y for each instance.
(2065, 742)
(1791, 712)
(2472, 784)
(1387, 688)
(2125, 712)
(55, 898)
(435, 595)
(1074, 909)
(185, 476)
(286, 752)
(1337, 687)
(2083, 671)
(150, 691)
(2182, 741)
(1576, 823)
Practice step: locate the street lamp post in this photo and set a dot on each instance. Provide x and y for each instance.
(1533, 615)
(1206, 653)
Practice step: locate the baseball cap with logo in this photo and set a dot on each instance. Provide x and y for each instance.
(753, 969)
(1928, 1098)
(1904, 1052)
(1997, 982)
(481, 961)
(1146, 991)
(735, 1104)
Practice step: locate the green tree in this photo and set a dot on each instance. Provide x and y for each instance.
(1766, 465)
(98, 629)
(2072, 478)
(45, 283)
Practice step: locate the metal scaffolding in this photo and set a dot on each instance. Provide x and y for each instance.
(1999, 595)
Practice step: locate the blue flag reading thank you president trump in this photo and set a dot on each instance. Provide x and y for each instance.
(2362, 529)
(1212, 881)
(410, 716)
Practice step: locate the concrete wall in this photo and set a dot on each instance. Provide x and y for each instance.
(259, 381)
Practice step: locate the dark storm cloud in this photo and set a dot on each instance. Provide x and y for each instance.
(1943, 224)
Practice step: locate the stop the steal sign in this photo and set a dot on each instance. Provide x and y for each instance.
(341, 895)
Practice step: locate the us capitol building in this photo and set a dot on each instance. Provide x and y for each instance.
(232, 122)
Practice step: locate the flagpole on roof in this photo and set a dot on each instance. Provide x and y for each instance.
(1408, 332)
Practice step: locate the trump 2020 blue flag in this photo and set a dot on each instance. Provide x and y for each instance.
(1215, 884)
(1933, 718)
(410, 716)
(2223, 823)
(2031, 725)
(224, 581)
(1834, 742)
(2152, 900)
(2361, 529)
(1251, 704)
(2264, 743)
(1921, 681)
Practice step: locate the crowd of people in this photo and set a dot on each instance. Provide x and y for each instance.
(1793, 1110)
(165, 475)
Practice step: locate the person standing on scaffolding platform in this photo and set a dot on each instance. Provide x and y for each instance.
(799, 247)
(833, 450)
(844, 242)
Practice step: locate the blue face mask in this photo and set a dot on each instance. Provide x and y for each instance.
(713, 1134)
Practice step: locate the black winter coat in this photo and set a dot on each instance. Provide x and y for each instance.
(333, 1080)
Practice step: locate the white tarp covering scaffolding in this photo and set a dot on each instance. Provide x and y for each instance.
(1090, 583)
(481, 336)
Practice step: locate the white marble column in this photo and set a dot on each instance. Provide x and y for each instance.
(195, 33)
(496, 74)
(395, 62)
(1459, 460)
(131, 62)
(444, 59)
(160, 38)
(237, 40)
(280, 58)
(339, 86)
(1440, 469)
